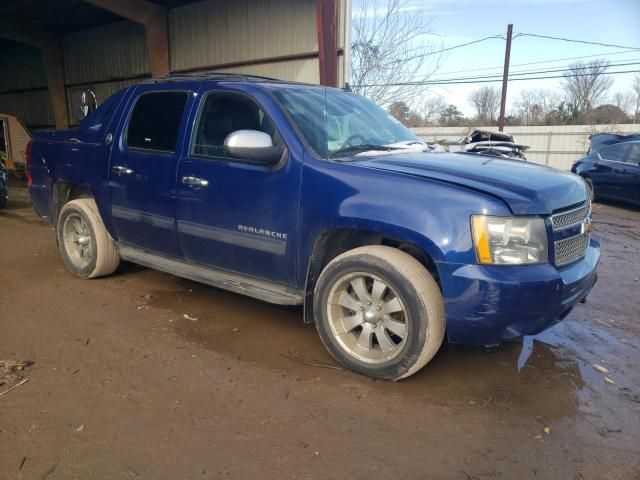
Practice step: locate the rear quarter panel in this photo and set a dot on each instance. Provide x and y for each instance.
(74, 156)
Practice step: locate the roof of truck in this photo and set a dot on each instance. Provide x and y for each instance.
(222, 77)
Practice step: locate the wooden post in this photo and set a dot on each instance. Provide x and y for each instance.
(326, 18)
(54, 71)
(505, 78)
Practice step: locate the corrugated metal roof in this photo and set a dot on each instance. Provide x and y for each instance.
(306, 70)
(112, 51)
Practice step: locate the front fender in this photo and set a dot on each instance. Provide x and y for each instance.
(433, 215)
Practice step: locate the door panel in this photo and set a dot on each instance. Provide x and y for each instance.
(143, 166)
(245, 218)
(608, 174)
(631, 182)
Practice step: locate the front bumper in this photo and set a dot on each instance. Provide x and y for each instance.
(488, 304)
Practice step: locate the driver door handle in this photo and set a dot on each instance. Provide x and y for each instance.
(195, 181)
(121, 170)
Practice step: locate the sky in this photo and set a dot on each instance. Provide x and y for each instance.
(456, 22)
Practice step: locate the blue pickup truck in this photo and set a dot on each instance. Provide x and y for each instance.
(304, 195)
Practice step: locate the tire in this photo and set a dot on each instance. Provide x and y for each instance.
(590, 188)
(417, 329)
(87, 248)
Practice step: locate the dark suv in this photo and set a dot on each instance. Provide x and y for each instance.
(611, 169)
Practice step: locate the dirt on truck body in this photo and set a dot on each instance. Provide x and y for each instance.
(145, 375)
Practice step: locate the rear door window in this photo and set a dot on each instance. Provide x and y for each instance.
(155, 121)
(634, 154)
(615, 152)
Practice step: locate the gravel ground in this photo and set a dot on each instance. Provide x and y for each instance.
(124, 386)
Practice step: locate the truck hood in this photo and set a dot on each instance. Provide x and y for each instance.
(528, 189)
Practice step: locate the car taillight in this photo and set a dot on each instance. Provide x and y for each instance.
(27, 162)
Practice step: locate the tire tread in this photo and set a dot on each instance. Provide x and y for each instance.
(107, 255)
(428, 292)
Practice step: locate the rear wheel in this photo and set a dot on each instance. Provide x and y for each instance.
(379, 312)
(87, 248)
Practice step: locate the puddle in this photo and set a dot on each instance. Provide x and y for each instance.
(537, 380)
(247, 329)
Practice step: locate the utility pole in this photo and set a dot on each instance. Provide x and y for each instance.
(505, 78)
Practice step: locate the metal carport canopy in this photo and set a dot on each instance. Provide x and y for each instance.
(107, 44)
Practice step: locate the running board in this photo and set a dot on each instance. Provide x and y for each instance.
(234, 282)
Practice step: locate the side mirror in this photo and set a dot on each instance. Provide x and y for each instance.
(252, 145)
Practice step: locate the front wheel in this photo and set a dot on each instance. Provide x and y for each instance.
(379, 312)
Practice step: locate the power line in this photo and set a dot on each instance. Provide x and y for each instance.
(486, 80)
(540, 62)
(575, 41)
(465, 44)
(531, 72)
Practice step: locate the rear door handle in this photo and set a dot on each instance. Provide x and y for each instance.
(195, 181)
(121, 170)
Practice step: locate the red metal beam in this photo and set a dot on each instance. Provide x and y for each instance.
(326, 18)
(154, 19)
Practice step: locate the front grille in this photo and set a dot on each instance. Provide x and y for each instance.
(571, 249)
(572, 217)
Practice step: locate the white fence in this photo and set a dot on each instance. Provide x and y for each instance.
(556, 146)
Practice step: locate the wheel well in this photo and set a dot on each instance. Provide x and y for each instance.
(336, 242)
(64, 192)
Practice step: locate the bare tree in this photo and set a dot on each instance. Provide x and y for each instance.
(586, 84)
(408, 117)
(400, 110)
(486, 101)
(533, 106)
(391, 53)
(430, 108)
(624, 101)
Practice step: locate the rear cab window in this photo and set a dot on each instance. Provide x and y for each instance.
(154, 123)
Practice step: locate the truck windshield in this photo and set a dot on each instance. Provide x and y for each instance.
(338, 124)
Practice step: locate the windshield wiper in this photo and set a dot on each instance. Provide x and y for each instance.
(364, 147)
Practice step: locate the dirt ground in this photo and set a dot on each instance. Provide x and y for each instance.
(124, 386)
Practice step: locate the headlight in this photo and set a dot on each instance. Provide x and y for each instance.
(509, 240)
